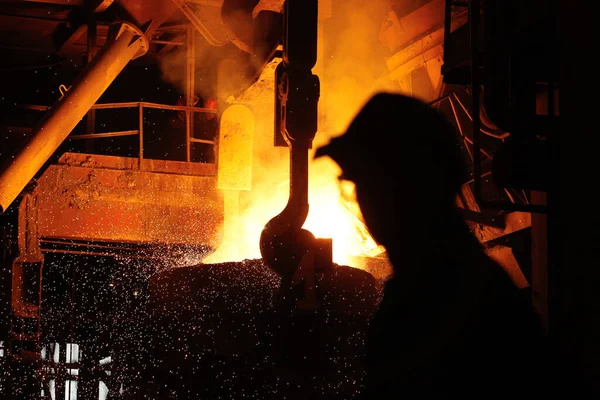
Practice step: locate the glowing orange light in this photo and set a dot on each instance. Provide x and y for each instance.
(348, 78)
(333, 214)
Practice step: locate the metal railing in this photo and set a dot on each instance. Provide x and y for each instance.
(141, 105)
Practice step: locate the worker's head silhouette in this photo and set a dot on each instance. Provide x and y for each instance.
(406, 162)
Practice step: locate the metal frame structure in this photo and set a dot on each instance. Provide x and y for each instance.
(140, 105)
(456, 104)
(60, 367)
(474, 10)
(468, 72)
(43, 359)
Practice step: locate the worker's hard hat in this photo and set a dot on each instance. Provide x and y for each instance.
(395, 135)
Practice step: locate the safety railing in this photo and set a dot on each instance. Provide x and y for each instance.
(141, 106)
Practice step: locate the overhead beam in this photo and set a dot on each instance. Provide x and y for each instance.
(175, 41)
(174, 28)
(75, 36)
(97, 5)
(208, 3)
(32, 17)
(126, 43)
(74, 3)
(212, 31)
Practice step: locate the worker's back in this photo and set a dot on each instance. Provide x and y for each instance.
(460, 329)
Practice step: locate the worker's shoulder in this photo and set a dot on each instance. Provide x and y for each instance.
(348, 288)
(506, 302)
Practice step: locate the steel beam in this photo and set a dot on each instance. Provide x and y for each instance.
(125, 43)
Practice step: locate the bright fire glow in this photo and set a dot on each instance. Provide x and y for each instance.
(348, 78)
(333, 214)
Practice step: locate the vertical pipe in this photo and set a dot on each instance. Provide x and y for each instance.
(125, 42)
(190, 88)
(447, 27)
(91, 53)
(141, 132)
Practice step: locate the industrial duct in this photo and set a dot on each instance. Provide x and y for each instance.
(125, 42)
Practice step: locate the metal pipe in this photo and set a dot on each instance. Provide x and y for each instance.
(101, 254)
(104, 135)
(178, 108)
(126, 42)
(447, 26)
(141, 133)
(199, 24)
(157, 41)
(145, 104)
(190, 88)
(194, 140)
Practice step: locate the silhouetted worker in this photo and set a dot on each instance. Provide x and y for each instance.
(451, 323)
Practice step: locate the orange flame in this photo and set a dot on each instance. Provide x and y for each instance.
(349, 76)
(333, 214)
